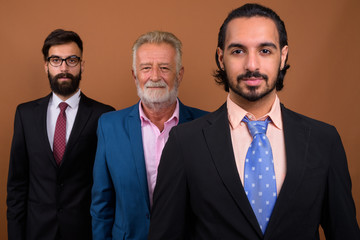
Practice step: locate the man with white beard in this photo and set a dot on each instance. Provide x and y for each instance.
(130, 141)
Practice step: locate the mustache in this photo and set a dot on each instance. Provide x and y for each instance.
(64, 75)
(250, 74)
(160, 83)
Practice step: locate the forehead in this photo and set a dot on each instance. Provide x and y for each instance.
(149, 52)
(65, 50)
(253, 30)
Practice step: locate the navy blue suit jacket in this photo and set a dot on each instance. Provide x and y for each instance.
(120, 205)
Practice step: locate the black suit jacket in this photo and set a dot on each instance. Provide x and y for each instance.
(46, 201)
(199, 194)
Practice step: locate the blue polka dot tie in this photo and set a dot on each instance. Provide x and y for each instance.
(259, 174)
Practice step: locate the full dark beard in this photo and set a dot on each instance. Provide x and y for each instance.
(252, 95)
(64, 88)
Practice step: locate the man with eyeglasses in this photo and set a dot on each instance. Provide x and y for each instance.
(53, 151)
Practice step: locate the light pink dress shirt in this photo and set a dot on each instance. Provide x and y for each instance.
(153, 144)
(241, 138)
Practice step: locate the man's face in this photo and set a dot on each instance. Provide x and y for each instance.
(252, 57)
(64, 80)
(155, 75)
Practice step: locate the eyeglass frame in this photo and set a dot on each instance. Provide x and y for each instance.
(65, 60)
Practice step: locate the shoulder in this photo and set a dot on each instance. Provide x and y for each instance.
(191, 112)
(205, 120)
(196, 112)
(30, 105)
(316, 126)
(120, 115)
(95, 104)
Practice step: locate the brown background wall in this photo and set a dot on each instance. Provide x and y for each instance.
(323, 81)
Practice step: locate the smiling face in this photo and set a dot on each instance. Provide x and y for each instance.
(64, 80)
(155, 75)
(252, 58)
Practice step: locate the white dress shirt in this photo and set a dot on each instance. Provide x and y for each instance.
(53, 113)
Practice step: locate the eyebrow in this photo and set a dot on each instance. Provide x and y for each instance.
(148, 63)
(239, 45)
(268, 44)
(52, 56)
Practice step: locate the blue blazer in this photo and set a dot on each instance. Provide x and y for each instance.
(120, 206)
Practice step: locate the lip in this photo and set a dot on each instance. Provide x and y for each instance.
(253, 81)
(63, 79)
(155, 87)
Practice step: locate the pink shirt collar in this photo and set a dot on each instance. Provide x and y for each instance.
(175, 115)
(236, 113)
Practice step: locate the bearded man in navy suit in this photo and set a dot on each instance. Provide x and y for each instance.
(205, 189)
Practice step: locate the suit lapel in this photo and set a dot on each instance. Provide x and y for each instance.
(296, 135)
(81, 119)
(135, 135)
(41, 115)
(218, 138)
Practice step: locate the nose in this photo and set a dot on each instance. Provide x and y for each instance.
(64, 67)
(252, 62)
(155, 74)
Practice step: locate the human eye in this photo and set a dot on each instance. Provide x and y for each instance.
(164, 68)
(145, 68)
(237, 51)
(265, 51)
(55, 59)
(72, 60)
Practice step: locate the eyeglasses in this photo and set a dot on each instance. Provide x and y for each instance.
(70, 61)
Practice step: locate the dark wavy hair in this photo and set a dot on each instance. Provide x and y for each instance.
(247, 11)
(58, 37)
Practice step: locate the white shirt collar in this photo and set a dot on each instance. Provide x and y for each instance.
(73, 101)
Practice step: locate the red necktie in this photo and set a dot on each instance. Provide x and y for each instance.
(60, 134)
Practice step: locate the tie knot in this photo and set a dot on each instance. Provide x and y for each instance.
(256, 127)
(63, 106)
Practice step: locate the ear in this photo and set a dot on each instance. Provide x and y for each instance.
(133, 74)
(46, 67)
(284, 53)
(220, 54)
(82, 66)
(180, 75)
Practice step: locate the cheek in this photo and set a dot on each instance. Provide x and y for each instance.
(75, 71)
(52, 71)
(170, 80)
(234, 69)
(142, 79)
(270, 67)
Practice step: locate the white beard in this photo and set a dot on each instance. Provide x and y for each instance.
(157, 99)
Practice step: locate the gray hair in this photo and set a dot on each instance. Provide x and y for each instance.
(158, 37)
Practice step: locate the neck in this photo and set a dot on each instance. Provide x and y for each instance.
(258, 108)
(64, 98)
(159, 116)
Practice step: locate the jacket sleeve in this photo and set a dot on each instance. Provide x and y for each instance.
(339, 215)
(18, 182)
(102, 196)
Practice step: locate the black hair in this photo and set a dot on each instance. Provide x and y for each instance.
(58, 37)
(247, 11)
